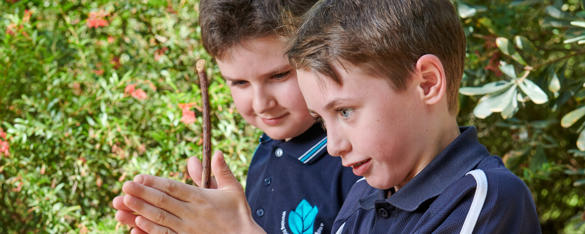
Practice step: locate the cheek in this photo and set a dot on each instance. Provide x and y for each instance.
(243, 102)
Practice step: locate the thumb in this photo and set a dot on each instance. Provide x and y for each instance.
(223, 175)
(195, 170)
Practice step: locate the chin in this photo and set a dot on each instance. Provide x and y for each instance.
(375, 183)
(278, 135)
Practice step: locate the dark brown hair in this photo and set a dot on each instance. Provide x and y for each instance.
(226, 23)
(384, 37)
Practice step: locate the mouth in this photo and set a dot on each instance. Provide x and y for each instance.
(358, 164)
(273, 120)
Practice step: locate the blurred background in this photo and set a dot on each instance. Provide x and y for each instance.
(94, 92)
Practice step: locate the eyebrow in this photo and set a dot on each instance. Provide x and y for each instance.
(271, 72)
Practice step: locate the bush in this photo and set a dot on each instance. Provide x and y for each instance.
(95, 92)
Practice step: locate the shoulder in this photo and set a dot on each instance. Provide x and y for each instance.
(508, 206)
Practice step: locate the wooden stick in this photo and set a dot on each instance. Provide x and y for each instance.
(204, 83)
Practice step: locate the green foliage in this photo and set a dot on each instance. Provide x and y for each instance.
(92, 94)
(95, 92)
(526, 62)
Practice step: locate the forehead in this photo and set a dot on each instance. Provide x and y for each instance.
(253, 56)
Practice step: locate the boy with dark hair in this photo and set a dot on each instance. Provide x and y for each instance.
(293, 186)
(383, 75)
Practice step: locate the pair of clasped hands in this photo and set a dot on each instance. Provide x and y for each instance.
(153, 204)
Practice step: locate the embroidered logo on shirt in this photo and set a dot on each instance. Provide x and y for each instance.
(302, 219)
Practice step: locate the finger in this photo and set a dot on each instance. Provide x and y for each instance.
(195, 171)
(118, 203)
(154, 197)
(137, 231)
(223, 175)
(155, 214)
(173, 188)
(150, 227)
(125, 217)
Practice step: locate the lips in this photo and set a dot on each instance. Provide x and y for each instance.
(273, 120)
(360, 168)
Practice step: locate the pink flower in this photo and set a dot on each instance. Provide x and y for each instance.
(96, 19)
(139, 94)
(2, 134)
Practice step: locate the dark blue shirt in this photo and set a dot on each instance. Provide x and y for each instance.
(438, 199)
(295, 186)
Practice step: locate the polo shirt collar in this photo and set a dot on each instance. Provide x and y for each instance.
(458, 158)
(307, 147)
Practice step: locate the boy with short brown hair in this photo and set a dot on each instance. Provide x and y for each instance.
(383, 75)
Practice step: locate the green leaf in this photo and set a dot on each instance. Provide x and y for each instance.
(508, 69)
(512, 106)
(483, 108)
(575, 39)
(504, 45)
(494, 103)
(554, 85)
(524, 44)
(492, 87)
(578, 23)
(581, 141)
(501, 101)
(572, 117)
(554, 12)
(579, 182)
(533, 91)
(465, 11)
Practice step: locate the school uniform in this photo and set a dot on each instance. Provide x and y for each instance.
(295, 186)
(439, 199)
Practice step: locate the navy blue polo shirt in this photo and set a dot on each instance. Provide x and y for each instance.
(295, 186)
(438, 199)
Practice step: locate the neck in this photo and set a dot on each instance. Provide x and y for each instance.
(439, 135)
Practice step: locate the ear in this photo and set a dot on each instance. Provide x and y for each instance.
(432, 83)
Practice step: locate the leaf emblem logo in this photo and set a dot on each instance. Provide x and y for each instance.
(302, 219)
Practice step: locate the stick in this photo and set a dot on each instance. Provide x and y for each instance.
(203, 82)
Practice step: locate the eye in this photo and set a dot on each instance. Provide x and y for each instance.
(237, 82)
(345, 112)
(281, 75)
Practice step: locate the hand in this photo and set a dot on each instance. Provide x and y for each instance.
(127, 216)
(169, 206)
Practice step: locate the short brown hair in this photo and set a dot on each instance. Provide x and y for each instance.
(225, 23)
(386, 37)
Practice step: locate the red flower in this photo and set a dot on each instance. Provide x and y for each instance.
(26, 17)
(10, 29)
(129, 89)
(99, 72)
(96, 19)
(188, 115)
(2, 134)
(4, 148)
(139, 94)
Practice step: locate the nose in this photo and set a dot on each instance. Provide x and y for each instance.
(263, 100)
(337, 144)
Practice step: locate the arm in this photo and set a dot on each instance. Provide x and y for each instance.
(166, 205)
